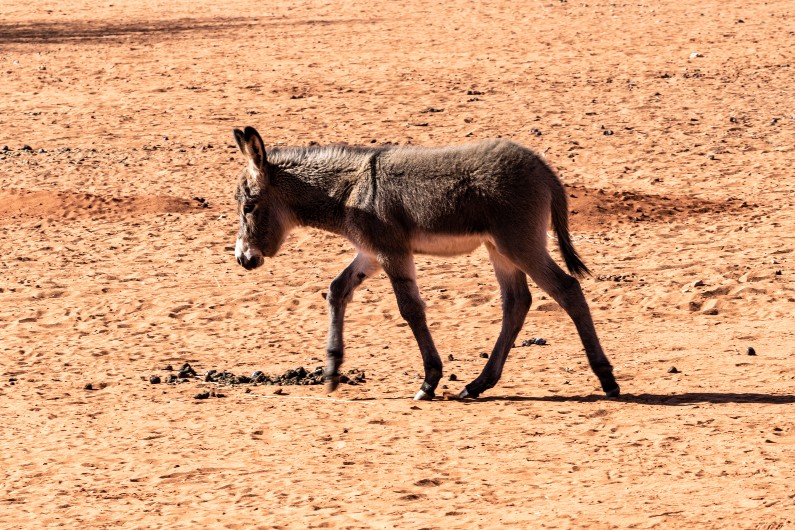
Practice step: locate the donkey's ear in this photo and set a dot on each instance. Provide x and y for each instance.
(250, 144)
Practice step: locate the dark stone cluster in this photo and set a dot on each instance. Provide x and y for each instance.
(295, 376)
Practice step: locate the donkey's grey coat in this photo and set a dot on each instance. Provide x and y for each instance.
(393, 202)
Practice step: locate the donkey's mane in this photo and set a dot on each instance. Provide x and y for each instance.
(336, 155)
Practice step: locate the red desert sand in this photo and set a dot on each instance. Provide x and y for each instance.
(672, 126)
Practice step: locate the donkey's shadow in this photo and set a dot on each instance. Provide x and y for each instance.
(687, 398)
(668, 400)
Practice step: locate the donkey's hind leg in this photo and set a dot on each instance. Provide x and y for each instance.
(516, 302)
(339, 294)
(566, 291)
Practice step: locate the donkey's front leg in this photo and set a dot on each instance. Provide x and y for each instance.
(339, 294)
(401, 273)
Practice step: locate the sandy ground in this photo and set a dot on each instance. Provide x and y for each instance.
(110, 269)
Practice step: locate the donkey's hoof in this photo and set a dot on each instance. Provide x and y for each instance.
(423, 396)
(613, 393)
(468, 393)
(332, 382)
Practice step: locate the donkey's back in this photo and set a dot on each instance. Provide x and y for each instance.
(468, 190)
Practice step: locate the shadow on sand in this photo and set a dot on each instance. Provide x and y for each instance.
(687, 398)
(108, 31)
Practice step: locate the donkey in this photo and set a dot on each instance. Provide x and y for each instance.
(392, 202)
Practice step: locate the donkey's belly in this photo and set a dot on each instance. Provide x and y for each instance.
(446, 244)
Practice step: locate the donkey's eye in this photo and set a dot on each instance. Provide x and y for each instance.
(249, 207)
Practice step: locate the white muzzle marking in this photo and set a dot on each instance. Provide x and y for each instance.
(245, 251)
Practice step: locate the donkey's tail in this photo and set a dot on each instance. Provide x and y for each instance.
(560, 223)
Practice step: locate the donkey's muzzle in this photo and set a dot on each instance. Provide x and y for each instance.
(250, 263)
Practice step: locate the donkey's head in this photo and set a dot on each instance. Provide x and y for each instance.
(263, 219)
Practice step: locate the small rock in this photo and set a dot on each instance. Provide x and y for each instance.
(695, 55)
(208, 376)
(453, 377)
(527, 343)
(26, 147)
(778, 272)
(750, 350)
(88, 386)
(278, 392)
(202, 395)
(539, 341)
(42, 150)
(154, 379)
(535, 132)
(673, 370)
(484, 355)
(608, 132)
(450, 357)
(187, 370)
(698, 283)
(5, 148)
(168, 368)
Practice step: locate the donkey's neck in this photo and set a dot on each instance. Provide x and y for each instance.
(316, 182)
